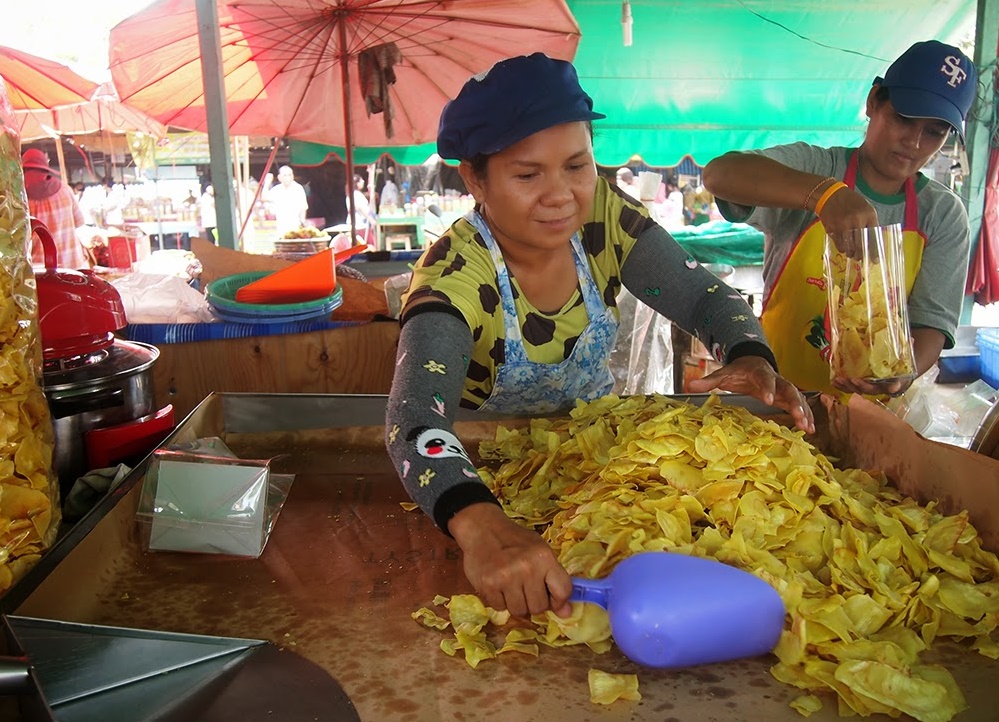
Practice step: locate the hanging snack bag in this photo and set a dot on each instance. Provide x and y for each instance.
(29, 489)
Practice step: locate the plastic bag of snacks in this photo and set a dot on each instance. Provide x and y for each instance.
(868, 316)
(29, 489)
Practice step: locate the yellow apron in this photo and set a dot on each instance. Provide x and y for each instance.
(794, 313)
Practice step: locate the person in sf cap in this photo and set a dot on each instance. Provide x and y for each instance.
(53, 202)
(797, 193)
(513, 310)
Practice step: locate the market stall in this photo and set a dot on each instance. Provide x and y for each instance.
(346, 566)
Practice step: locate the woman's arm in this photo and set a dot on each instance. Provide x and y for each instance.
(661, 273)
(434, 346)
(510, 566)
(751, 179)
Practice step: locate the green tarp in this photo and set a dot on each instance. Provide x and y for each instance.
(736, 244)
(702, 78)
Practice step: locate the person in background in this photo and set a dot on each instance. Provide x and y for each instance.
(287, 201)
(364, 218)
(627, 182)
(206, 205)
(797, 193)
(513, 310)
(53, 203)
(390, 195)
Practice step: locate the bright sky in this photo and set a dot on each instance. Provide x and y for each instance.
(72, 32)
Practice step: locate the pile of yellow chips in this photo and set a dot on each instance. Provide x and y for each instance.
(29, 512)
(869, 333)
(869, 578)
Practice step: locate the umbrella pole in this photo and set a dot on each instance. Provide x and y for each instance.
(348, 149)
(62, 160)
(260, 187)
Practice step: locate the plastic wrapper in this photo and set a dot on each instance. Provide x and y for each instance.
(952, 416)
(29, 489)
(642, 358)
(201, 498)
(867, 322)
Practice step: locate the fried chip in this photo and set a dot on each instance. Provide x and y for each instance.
(606, 688)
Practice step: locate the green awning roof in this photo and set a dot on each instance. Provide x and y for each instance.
(702, 78)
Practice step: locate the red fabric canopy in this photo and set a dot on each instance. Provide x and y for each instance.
(983, 276)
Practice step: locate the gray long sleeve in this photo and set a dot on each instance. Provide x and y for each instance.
(663, 275)
(435, 345)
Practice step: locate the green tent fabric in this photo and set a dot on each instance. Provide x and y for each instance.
(304, 153)
(707, 77)
(702, 78)
(736, 244)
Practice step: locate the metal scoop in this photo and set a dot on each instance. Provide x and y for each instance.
(673, 610)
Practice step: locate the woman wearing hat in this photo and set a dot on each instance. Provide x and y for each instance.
(53, 203)
(796, 193)
(512, 310)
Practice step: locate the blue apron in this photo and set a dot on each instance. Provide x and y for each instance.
(527, 387)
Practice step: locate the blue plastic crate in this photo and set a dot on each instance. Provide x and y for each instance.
(988, 347)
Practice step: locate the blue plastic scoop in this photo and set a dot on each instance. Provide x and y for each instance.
(673, 610)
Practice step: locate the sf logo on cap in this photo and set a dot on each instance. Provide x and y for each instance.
(952, 67)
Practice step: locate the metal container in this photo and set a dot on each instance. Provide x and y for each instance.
(92, 391)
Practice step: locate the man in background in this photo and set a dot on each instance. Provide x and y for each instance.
(53, 203)
(288, 202)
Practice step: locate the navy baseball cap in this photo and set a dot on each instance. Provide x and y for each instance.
(932, 80)
(515, 98)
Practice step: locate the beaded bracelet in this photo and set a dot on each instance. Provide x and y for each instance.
(820, 203)
(812, 192)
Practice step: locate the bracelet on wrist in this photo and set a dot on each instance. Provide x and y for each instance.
(827, 194)
(814, 190)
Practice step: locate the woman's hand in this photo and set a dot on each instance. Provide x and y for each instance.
(847, 211)
(754, 376)
(509, 566)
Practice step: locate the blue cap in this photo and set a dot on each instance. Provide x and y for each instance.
(515, 98)
(932, 80)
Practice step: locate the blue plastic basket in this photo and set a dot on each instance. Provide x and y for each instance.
(988, 347)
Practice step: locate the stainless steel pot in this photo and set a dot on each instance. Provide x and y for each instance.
(96, 390)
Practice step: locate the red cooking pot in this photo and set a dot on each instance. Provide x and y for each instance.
(78, 313)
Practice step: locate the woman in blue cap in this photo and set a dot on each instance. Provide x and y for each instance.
(513, 310)
(797, 193)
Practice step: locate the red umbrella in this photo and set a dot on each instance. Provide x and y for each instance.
(983, 276)
(103, 113)
(35, 83)
(340, 72)
(285, 62)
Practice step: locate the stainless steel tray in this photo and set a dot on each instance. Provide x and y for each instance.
(344, 569)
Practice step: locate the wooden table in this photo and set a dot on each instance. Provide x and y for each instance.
(349, 360)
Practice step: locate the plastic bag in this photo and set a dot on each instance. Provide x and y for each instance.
(642, 357)
(29, 515)
(200, 497)
(868, 316)
(150, 298)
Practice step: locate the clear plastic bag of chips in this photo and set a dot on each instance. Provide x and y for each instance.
(29, 489)
(868, 317)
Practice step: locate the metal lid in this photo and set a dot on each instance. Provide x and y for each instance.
(124, 358)
(986, 440)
